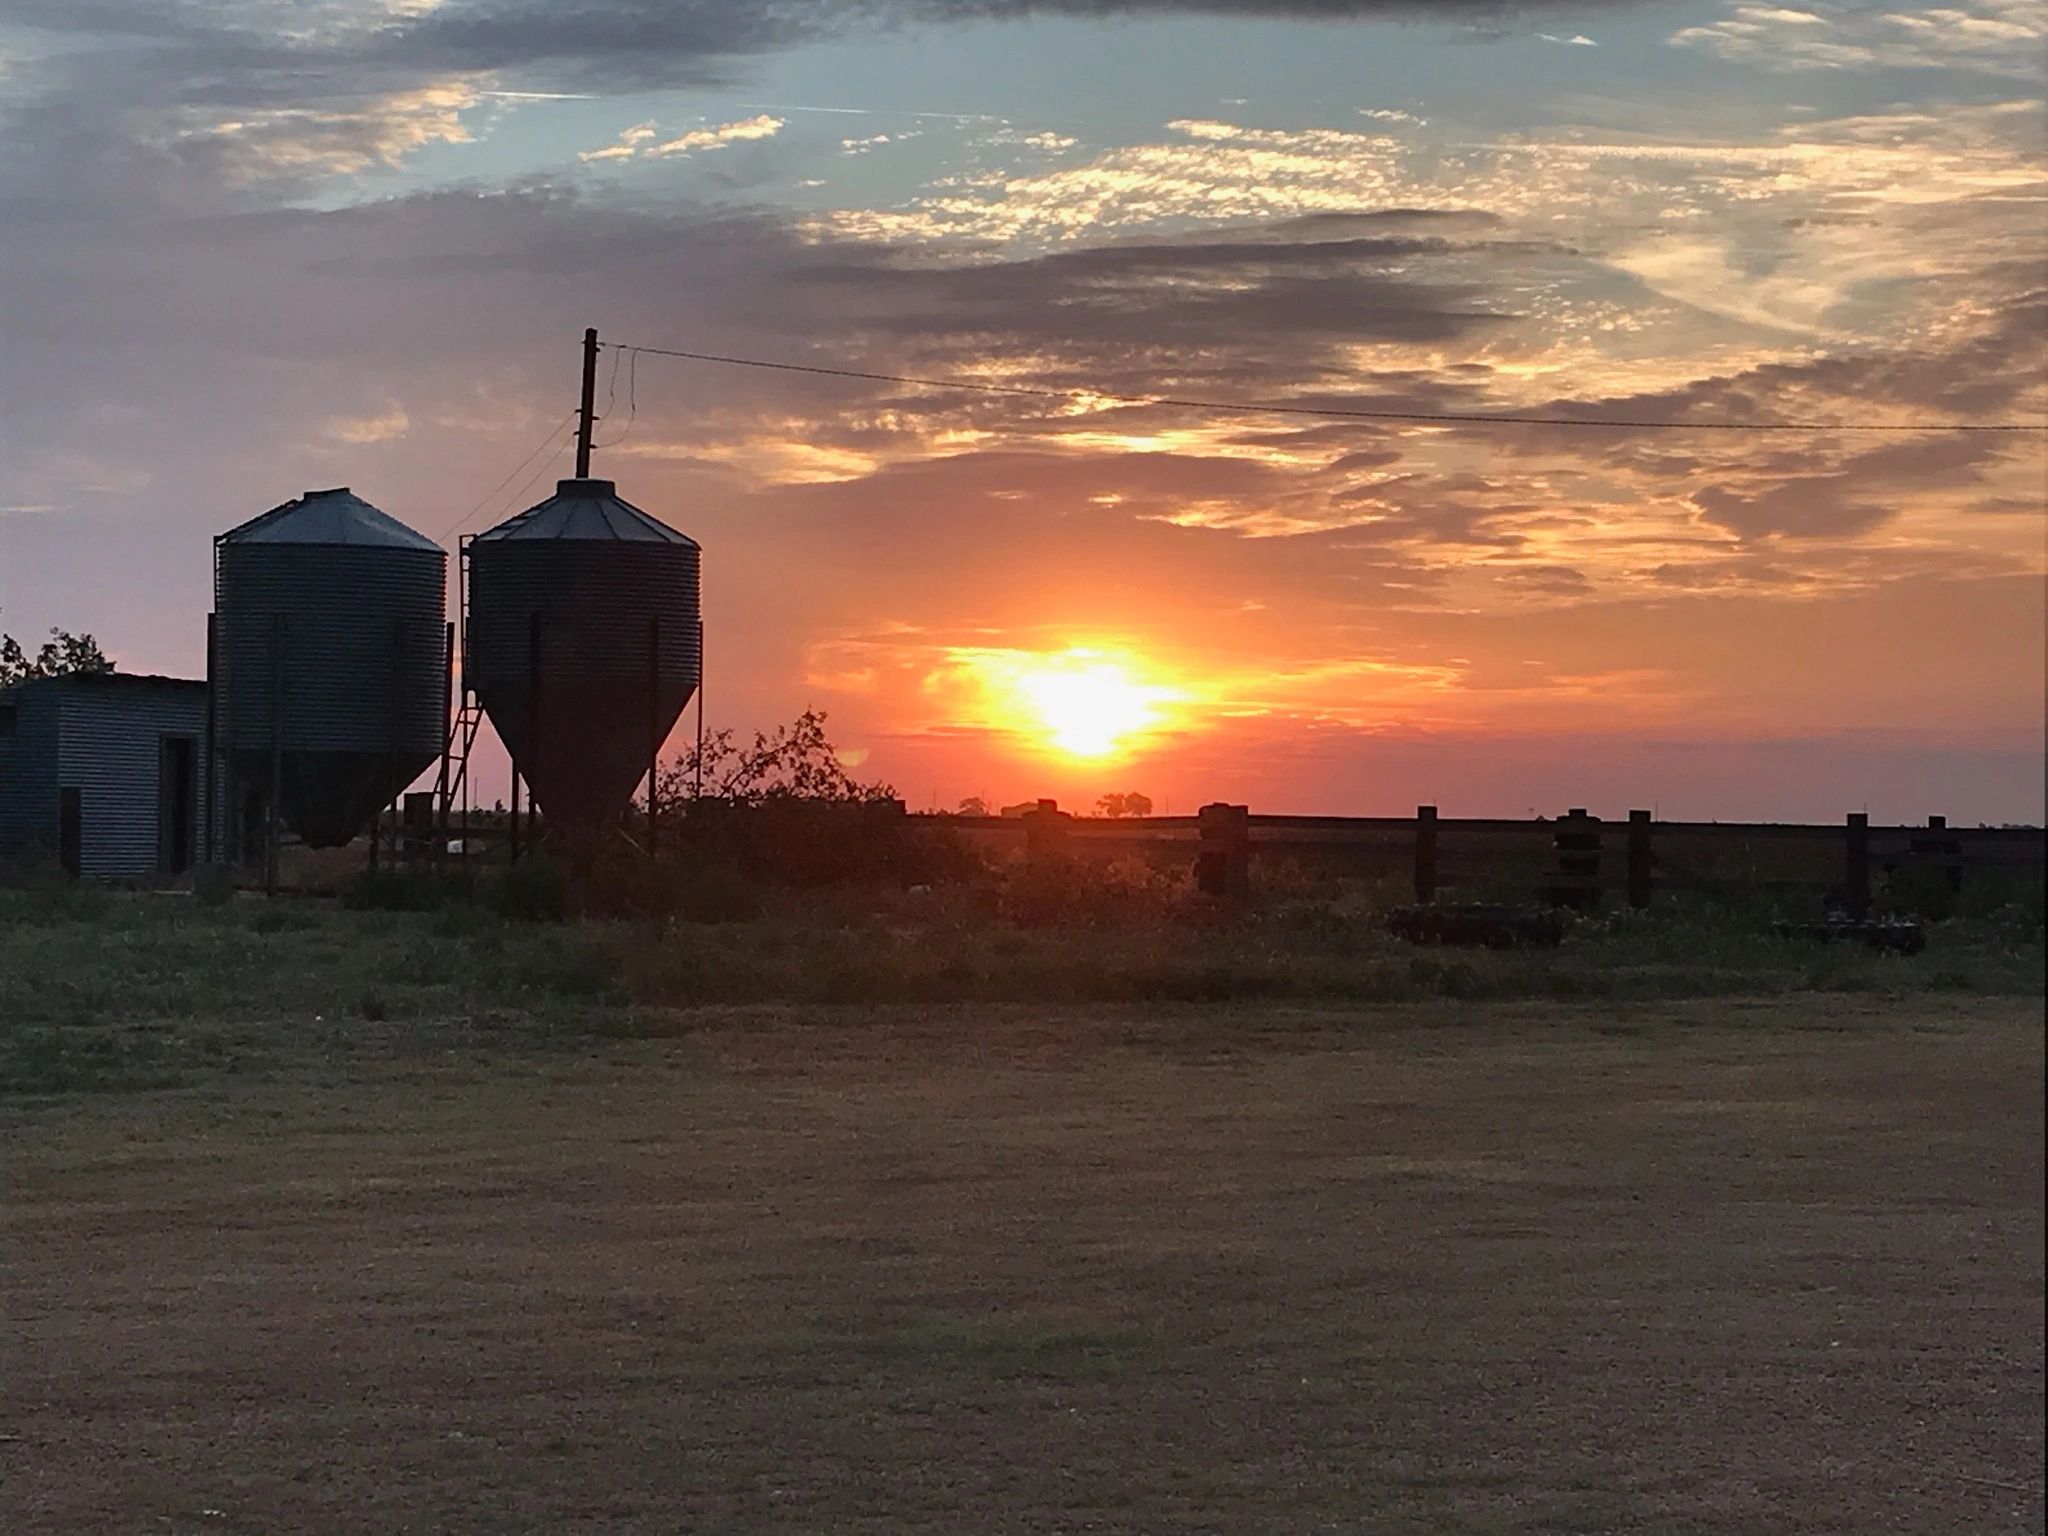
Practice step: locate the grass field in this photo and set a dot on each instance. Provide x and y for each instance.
(130, 992)
(375, 1222)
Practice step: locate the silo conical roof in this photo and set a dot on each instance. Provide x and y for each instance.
(337, 516)
(586, 509)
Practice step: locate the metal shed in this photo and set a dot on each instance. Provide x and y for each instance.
(104, 774)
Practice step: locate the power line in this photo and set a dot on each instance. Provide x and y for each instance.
(611, 389)
(491, 495)
(1263, 408)
(632, 396)
(560, 448)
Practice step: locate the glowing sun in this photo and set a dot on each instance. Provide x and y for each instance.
(1082, 702)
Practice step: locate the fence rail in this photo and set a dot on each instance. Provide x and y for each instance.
(1336, 828)
(1569, 859)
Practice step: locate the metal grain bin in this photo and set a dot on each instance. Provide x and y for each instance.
(583, 643)
(331, 645)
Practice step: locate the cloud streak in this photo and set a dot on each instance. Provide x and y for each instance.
(1995, 37)
(644, 141)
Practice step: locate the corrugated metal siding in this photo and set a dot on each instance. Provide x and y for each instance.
(596, 601)
(361, 660)
(364, 646)
(109, 745)
(28, 778)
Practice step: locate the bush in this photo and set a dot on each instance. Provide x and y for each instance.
(534, 890)
(410, 889)
(40, 893)
(1917, 890)
(788, 841)
(280, 917)
(571, 967)
(2017, 896)
(1066, 892)
(694, 889)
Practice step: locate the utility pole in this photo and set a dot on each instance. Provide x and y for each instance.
(585, 418)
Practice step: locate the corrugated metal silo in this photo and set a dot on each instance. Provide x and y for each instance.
(604, 597)
(332, 644)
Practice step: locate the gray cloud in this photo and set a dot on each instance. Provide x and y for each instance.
(123, 107)
(500, 34)
(1806, 507)
(1985, 374)
(1781, 497)
(1172, 304)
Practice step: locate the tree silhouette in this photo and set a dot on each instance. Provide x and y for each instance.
(794, 762)
(1132, 804)
(62, 655)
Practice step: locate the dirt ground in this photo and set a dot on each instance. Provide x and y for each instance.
(1445, 1268)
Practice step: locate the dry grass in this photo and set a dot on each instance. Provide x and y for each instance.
(1435, 1267)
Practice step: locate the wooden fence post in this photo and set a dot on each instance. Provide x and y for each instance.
(1223, 864)
(1858, 881)
(1938, 850)
(1575, 881)
(1640, 879)
(1425, 853)
(1045, 832)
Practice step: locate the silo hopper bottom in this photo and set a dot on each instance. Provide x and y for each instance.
(330, 798)
(595, 738)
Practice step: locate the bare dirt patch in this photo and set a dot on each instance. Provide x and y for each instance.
(1438, 1268)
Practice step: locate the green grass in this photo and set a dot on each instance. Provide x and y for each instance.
(111, 991)
(1275, 955)
(147, 990)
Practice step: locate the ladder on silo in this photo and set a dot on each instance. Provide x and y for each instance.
(452, 788)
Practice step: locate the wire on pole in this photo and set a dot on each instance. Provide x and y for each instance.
(1276, 408)
(554, 432)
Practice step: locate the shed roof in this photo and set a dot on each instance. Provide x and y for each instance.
(110, 681)
(328, 517)
(587, 509)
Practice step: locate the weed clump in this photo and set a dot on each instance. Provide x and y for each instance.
(693, 890)
(573, 966)
(213, 885)
(534, 890)
(1074, 892)
(411, 888)
(40, 894)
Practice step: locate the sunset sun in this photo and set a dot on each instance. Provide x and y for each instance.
(1081, 702)
(1089, 707)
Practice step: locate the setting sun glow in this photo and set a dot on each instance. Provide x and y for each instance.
(1088, 708)
(1081, 702)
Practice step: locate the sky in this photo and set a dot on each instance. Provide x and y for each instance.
(253, 247)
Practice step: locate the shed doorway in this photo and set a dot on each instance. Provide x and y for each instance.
(175, 804)
(70, 830)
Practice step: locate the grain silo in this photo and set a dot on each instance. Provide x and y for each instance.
(583, 643)
(330, 659)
